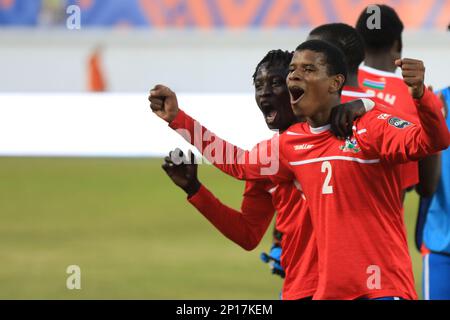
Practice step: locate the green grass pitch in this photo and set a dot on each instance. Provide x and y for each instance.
(129, 229)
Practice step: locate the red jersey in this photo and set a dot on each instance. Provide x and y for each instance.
(392, 90)
(407, 172)
(355, 200)
(247, 227)
(352, 93)
(299, 250)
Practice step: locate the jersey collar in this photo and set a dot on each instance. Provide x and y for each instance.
(380, 73)
(319, 130)
(355, 92)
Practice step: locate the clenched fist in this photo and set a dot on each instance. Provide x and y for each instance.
(163, 102)
(413, 72)
(182, 171)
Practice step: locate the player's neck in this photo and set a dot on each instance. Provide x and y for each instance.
(322, 117)
(380, 61)
(352, 80)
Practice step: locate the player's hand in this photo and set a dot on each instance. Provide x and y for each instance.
(413, 72)
(343, 115)
(182, 171)
(163, 102)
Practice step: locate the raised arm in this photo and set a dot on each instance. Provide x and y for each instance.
(261, 163)
(246, 227)
(398, 140)
(225, 156)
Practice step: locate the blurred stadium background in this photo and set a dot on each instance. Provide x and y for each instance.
(80, 177)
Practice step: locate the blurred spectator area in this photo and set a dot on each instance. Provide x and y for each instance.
(195, 62)
(212, 14)
(195, 46)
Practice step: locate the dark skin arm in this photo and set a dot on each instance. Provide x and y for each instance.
(343, 115)
(429, 173)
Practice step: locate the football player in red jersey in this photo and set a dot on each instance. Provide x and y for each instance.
(351, 43)
(261, 199)
(378, 76)
(351, 187)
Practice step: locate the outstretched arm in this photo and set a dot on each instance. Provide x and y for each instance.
(227, 157)
(257, 164)
(246, 227)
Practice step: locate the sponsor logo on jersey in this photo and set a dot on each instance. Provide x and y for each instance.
(303, 146)
(384, 116)
(399, 123)
(379, 85)
(351, 145)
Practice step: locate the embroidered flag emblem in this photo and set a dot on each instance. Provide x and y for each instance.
(351, 145)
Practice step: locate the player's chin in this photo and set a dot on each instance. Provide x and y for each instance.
(298, 111)
(272, 125)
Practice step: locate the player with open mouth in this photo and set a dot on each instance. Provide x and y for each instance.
(296, 94)
(363, 252)
(261, 198)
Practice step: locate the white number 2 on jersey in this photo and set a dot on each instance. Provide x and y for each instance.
(326, 188)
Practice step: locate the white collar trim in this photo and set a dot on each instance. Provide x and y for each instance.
(320, 129)
(380, 72)
(356, 94)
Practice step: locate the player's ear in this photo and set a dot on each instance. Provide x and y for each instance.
(336, 83)
(396, 49)
(398, 45)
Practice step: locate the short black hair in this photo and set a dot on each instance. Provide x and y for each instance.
(334, 56)
(347, 39)
(275, 58)
(391, 28)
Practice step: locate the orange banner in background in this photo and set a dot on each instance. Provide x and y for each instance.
(226, 14)
(416, 14)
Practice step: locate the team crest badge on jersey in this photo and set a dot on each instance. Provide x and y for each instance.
(399, 123)
(351, 145)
